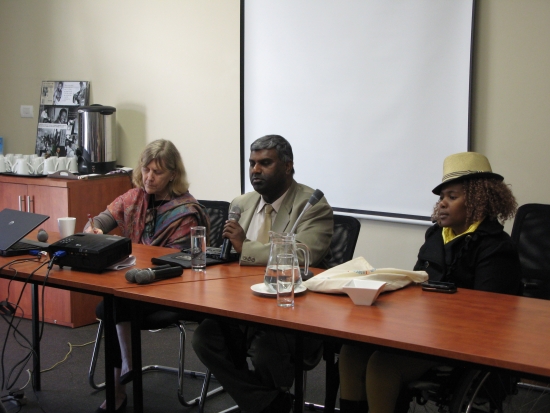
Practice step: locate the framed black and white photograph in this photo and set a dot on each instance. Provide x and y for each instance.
(58, 116)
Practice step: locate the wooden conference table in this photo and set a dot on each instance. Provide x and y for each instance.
(485, 329)
(105, 285)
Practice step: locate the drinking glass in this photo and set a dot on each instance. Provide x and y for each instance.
(285, 280)
(198, 248)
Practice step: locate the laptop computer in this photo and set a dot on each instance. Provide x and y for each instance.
(183, 258)
(14, 225)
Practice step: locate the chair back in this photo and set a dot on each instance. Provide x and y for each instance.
(344, 239)
(531, 234)
(218, 211)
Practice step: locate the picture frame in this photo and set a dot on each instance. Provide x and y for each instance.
(57, 129)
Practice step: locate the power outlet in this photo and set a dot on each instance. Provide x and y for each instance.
(27, 111)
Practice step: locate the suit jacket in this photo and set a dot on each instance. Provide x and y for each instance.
(314, 229)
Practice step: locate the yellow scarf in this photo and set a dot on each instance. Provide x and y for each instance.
(449, 235)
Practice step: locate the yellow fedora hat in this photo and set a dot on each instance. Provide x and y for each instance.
(465, 165)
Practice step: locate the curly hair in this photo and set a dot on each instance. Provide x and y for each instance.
(485, 198)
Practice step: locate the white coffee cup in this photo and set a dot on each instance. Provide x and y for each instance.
(50, 165)
(66, 226)
(72, 164)
(37, 165)
(22, 167)
(9, 157)
(61, 164)
(5, 165)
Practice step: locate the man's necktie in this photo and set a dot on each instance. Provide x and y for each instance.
(263, 233)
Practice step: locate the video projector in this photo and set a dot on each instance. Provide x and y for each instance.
(91, 252)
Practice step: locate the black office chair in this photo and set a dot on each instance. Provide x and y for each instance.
(531, 234)
(466, 390)
(158, 320)
(344, 239)
(461, 390)
(218, 213)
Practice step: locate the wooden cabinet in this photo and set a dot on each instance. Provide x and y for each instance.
(59, 198)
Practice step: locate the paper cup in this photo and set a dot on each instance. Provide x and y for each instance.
(66, 226)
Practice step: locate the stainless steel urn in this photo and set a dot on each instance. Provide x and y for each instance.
(96, 139)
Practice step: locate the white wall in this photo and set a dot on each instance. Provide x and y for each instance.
(171, 68)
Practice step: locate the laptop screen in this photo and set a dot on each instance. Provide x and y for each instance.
(14, 225)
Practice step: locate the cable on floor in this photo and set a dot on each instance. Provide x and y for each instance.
(71, 346)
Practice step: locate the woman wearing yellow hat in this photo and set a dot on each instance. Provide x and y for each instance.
(467, 246)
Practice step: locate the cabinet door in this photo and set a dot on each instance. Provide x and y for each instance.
(49, 200)
(10, 196)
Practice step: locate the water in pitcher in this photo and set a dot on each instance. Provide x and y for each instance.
(284, 244)
(270, 278)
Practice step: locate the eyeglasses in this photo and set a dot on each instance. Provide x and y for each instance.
(150, 222)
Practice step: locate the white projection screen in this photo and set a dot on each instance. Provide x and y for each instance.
(371, 94)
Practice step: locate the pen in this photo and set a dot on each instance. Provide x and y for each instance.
(91, 222)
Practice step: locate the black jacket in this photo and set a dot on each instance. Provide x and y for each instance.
(484, 260)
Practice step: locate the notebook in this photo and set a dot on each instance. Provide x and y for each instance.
(14, 225)
(183, 258)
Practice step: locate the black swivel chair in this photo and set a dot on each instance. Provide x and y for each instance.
(344, 239)
(218, 213)
(531, 234)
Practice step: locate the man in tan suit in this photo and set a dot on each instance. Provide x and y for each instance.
(275, 205)
(272, 176)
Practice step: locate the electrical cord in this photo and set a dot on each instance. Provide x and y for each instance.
(11, 320)
(71, 347)
(22, 362)
(19, 397)
(15, 333)
(9, 265)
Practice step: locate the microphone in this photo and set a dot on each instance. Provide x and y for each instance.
(313, 199)
(150, 275)
(42, 235)
(131, 274)
(234, 215)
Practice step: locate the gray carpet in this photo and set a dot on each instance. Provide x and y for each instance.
(65, 388)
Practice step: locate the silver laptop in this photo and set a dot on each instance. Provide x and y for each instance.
(14, 225)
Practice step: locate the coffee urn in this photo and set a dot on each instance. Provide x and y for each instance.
(96, 139)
